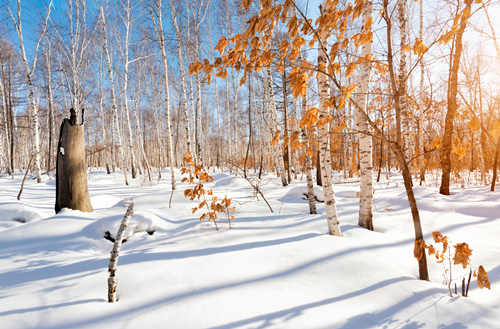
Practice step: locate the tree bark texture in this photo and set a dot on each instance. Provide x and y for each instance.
(115, 253)
(452, 102)
(309, 166)
(71, 173)
(365, 139)
(324, 148)
(272, 120)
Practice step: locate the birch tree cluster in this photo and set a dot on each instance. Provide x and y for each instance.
(346, 89)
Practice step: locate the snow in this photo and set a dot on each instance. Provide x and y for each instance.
(271, 270)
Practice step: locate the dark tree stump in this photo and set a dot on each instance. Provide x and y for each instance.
(71, 168)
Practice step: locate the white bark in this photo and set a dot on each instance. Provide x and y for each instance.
(420, 134)
(272, 121)
(324, 147)
(309, 166)
(50, 106)
(102, 115)
(182, 71)
(115, 254)
(35, 122)
(362, 127)
(166, 92)
(4, 146)
(405, 129)
(126, 63)
(114, 106)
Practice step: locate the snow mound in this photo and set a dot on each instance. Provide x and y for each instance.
(233, 181)
(219, 176)
(99, 201)
(12, 213)
(140, 221)
(299, 195)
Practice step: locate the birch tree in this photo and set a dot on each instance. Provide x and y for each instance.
(158, 23)
(184, 105)
(114, 106)
(50, 103)
(126, 62)
(324, 146)
(362, 127)
(272, 121)
(29, 71)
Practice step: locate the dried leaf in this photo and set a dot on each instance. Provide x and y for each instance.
(482, 278)
(462, 254)
(418, 250)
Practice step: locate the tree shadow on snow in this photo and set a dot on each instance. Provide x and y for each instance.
(281, 275)
(22, 276)
(45, 307)
(269, 319)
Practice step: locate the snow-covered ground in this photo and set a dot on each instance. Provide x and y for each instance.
(271, 270)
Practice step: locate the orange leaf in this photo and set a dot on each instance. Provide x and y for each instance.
(482, 278)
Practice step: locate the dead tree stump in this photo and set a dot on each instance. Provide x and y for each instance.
(71, 167)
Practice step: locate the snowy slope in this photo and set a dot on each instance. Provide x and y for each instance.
(271, 270)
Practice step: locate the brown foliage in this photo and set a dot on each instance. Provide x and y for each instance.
(418, 250)
(462, 254)
(482, 278)
(197, 175)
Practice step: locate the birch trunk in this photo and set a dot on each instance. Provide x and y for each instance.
(13, 132)
(362, 127)
(114, 106)
(166, 92)
(103, 121)
(35, 122)
(285, 126)
(324, 148)
(309, 166)
(272, 120)
(140, 138)
(50, 106)
(420, 133)
(182, 71)
(125, 92)
(402, 78)
(6, 125)
(115, 253)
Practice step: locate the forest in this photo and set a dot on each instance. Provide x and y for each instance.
(249, 163)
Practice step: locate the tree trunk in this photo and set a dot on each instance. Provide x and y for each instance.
(319, 182)
(71, 173)
(182, 71)
(250, 132)
(272, 124)
(365, 139)
(115, 253)
(114, 106)
(495, 165)
(309, 167)
(452, 102)
(404, 129)
(398, 148)
(6, 124)
(420, 122)
(285, 119)
(51, 109)
(422, 262)
(324, 147)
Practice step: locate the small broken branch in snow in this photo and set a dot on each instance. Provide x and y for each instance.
(254, 186)
(25, 174)
(112, 282)
(315, 198)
